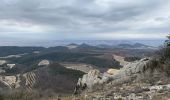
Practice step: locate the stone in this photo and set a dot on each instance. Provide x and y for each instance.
(91, 78)
(10, 65)
(112, 71)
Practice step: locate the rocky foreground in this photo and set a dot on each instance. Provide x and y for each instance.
(146, 79)
(139, 80)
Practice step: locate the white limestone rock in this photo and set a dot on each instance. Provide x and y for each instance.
(133, 68)
(112, 71)
(10, 65)
(44, 63)
(91, 78)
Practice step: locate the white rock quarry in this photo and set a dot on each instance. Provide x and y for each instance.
(26, 80)
(44, 63)
(78, 66)
(3, 62)
(10, 65)
(11, 81)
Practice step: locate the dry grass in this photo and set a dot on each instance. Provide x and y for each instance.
(165, 96)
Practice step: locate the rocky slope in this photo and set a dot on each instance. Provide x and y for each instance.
(42, 78)
(120, 59)
(136, 80)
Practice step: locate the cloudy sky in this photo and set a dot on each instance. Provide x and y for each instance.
(84, 19)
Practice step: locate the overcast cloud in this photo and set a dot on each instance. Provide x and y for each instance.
(84, 19)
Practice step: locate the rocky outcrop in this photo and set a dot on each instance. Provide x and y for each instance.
(112, 71)
(93, 77)
(137, 80)
(134, 69)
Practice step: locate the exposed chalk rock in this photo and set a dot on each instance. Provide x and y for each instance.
(112, 71)
(124, 74)
(44, 63)
(10, 65)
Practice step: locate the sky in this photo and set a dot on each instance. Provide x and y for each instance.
(28, 20)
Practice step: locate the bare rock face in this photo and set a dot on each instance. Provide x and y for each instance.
(44, 63)
(133, 68)
(91, 78)
(94, 77)
(112, 71)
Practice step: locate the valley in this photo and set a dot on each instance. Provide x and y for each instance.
(82, 70)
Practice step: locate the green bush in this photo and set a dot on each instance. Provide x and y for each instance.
(57, 69)
(1, 97)
(130, 59)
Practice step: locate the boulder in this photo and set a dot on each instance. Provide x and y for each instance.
(112, 71)
(93, 77)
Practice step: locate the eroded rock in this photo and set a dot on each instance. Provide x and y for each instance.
(112, 71)
(114, 76)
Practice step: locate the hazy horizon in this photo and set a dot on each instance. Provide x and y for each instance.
(53, 43)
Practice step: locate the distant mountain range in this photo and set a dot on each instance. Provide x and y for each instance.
(52, 43)
(124, 46)
(135, 46)
(73, 47)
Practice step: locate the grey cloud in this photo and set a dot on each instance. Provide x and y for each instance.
(81, 16)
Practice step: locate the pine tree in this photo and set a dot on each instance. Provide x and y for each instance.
(167, 48)
(167, 42)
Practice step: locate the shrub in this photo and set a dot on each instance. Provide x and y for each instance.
(1, 97)
(130, 59)
(163, 54)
